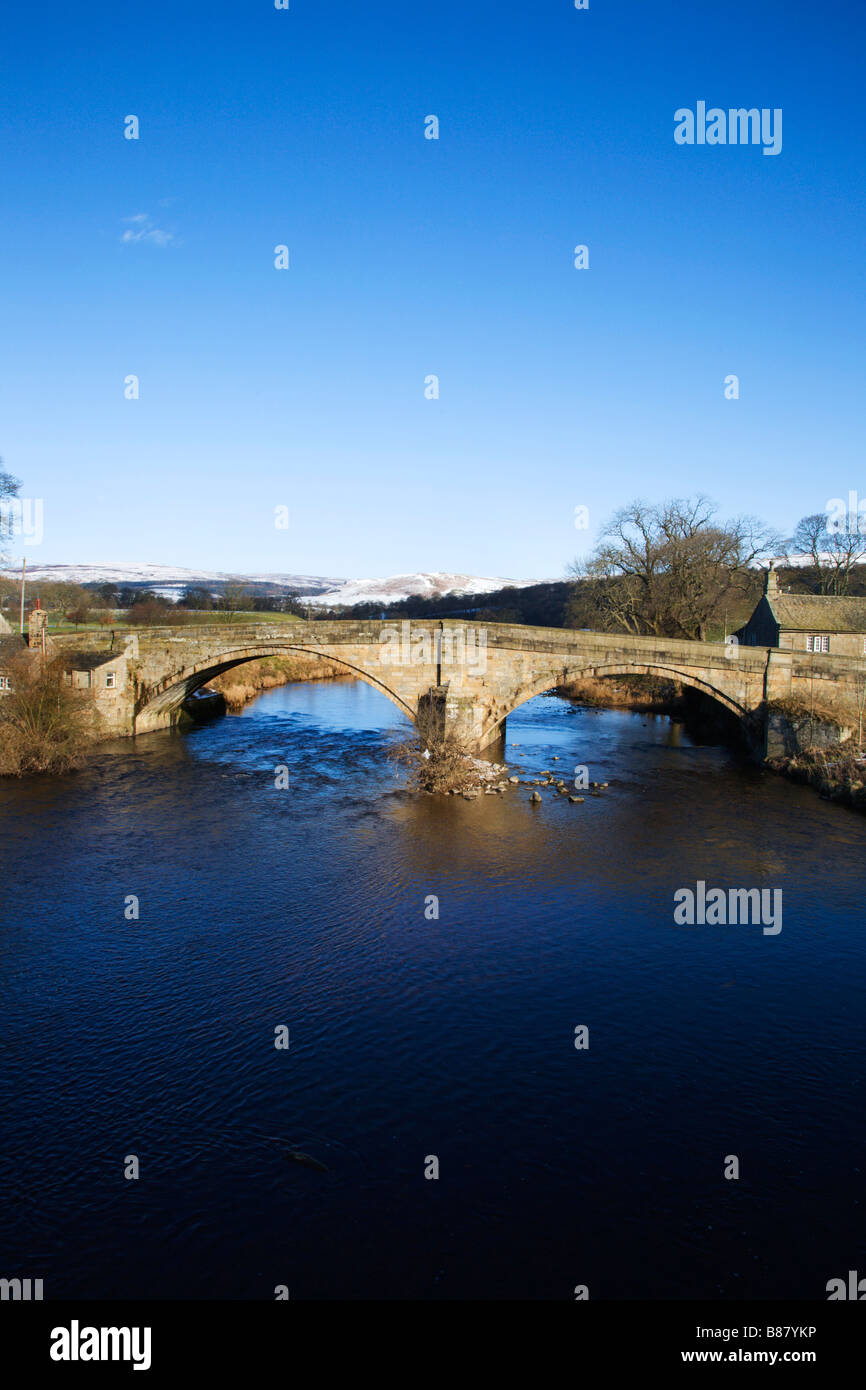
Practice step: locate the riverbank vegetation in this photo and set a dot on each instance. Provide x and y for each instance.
(243, 683)
(45, 725)
(649, 693)
(839, 774)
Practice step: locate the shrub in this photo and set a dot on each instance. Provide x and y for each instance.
(438, 760)
(154, 612)
(45, 725)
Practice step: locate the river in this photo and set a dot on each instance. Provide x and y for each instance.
(413, 1036)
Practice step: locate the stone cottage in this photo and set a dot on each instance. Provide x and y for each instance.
(13, 650)
(105, 675)
(806, 622)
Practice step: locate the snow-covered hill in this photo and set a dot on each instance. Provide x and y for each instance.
(400, 586)
(171, 582)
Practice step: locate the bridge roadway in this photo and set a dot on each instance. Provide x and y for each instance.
(476, 674)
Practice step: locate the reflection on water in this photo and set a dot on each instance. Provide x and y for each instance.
(305, 907)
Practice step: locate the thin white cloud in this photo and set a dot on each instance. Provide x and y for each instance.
(142, 228)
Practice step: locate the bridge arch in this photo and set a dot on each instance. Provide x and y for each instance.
(553, 679)
(157, 704)
(682, 677)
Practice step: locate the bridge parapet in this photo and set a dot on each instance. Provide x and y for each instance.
(483, 680)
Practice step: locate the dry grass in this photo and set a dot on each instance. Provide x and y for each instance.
(639, 692)
(839, 774)
(244, 683)
(799, 710)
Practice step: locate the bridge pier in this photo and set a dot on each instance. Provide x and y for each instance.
(443, 709)
(464, 716)
(756, 733)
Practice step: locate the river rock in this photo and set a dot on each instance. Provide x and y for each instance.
(576, 800)
(536, 796)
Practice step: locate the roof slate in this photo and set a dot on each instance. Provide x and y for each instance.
(89, 661)
(12, 647)
(818, 613)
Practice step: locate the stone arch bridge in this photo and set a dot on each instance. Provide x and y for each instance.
(475, 676)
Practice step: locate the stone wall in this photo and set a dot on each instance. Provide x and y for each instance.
(482, 681)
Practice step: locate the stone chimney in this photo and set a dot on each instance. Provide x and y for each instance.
(37, 624)
(771, 583)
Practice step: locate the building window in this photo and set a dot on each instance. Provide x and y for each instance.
(817, 642)
(111, 680)
(5, 683)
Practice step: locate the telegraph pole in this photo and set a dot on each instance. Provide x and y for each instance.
(23, 580)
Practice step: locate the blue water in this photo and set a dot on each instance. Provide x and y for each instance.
(412, 1037)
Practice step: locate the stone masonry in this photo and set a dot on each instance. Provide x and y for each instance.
(479, 675)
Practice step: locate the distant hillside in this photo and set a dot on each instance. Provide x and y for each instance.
(540, 605)
(171, 583)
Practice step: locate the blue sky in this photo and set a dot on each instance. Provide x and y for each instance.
(558, 388)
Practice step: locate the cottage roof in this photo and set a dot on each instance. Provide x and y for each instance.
(91, 661)
(818, 613)
(12, 647)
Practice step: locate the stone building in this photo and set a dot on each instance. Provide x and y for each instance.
(105, 675)
(806, 622)
(12, 649)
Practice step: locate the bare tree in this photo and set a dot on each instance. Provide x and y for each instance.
(847, 550)
(234, 598)
(665, 569)
(62, 598)
(833, 552)
(807, 541)
(8, 491)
